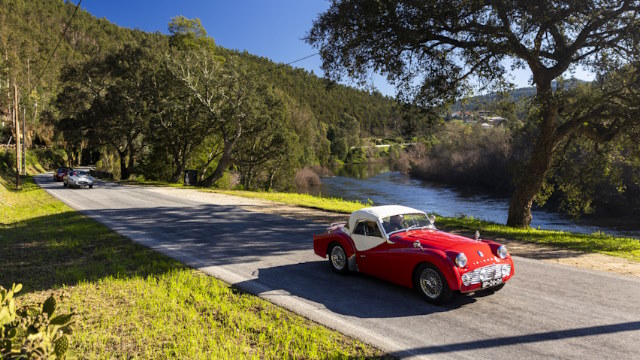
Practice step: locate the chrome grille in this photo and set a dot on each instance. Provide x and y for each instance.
(485, 273)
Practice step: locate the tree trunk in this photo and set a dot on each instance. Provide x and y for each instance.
(270, 182)
(531, 180)
(124, 169)
(179, 170)
(132, 158)
(175, 177)
(223, 164)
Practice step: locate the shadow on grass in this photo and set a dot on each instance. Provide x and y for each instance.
(9, 183)
(65, 249)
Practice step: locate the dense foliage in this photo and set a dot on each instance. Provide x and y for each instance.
(590, 178)
(102, 96)
(29, 31)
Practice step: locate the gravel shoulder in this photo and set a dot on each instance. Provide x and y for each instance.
(579, 259)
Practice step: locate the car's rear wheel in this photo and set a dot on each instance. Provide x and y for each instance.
(431, 284)
(338, 259)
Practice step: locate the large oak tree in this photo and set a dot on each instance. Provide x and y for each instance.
(433, 49)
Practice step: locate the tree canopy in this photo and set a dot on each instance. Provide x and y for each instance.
(434, 49)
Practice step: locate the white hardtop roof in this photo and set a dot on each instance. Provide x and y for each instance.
(378, 212)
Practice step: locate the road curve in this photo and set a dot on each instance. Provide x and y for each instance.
(545, 311)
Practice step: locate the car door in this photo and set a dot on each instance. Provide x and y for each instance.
(369, 244)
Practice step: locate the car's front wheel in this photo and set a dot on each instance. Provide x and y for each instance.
(431, 284)
(338, 259)
(90, 186)
(64, 184)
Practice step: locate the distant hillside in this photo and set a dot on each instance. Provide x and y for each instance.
(480, 102)
(29, 31)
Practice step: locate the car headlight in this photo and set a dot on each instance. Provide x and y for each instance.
(467, 278)
(461, 260)
(506, 270)
(502, 251)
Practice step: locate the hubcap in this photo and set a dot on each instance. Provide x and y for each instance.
(430, 283)
(338, 257)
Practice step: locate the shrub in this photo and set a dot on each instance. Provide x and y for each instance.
(8, 161)
(31, 333)
(321, 171)
(356, 155)
(228, 181)
(306, 177)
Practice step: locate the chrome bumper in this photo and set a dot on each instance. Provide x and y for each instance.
(486, 273)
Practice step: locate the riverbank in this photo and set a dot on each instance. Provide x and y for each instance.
(132, 302)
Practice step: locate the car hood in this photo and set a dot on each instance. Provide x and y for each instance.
(476, 251)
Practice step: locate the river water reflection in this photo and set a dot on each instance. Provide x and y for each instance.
(376, 182)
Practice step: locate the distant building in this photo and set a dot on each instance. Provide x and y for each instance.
(496, 120)
(462, 115)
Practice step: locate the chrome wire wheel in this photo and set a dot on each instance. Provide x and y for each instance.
(338, 258)
(430, 283)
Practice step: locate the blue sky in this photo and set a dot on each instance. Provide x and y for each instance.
(273, 29)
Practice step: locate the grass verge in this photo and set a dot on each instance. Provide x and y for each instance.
(132, 302)
(305, 200)
(628, 248)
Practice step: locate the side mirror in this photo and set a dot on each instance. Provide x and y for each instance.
(432, 218)
(477, 235)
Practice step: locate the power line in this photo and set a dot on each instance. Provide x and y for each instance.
(56, 48)
(247, 77)
(282, 65)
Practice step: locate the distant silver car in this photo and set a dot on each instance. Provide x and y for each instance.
(77, 178)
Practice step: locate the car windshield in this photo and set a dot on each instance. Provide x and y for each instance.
(79, 173)
(405, 221)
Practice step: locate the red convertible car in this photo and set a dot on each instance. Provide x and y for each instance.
(59, 174)
(402, 245)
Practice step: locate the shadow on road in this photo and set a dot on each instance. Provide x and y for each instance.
(355, 294)
(218, 235)
(525, 339)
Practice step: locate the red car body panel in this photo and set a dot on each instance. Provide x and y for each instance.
(59, 175)
(396, 260)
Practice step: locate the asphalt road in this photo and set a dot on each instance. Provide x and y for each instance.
(545, 311)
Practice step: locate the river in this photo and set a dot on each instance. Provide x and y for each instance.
(376, 182)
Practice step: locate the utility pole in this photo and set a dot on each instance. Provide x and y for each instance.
(17, 127)
(24, 141)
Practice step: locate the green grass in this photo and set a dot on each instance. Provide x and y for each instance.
(598, 242)
(306, 200)
(602, 243)
(132, 302)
